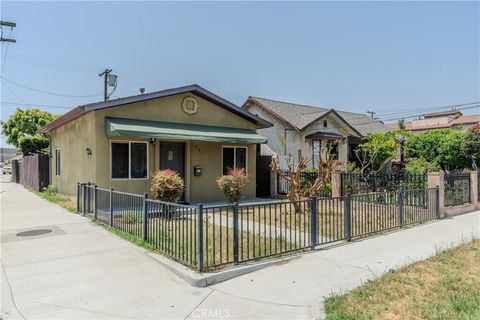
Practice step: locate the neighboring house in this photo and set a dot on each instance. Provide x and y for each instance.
(7, 153)
(302, 128)
(120, 143)
(453, 119)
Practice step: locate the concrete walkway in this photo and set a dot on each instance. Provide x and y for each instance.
(81, 271)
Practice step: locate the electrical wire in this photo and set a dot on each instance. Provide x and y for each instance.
(413, 115)
(6, 53)
(418, 109)
(12, 92)
(47, 92)
(14, 104)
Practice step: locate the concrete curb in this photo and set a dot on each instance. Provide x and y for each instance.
(206, 279)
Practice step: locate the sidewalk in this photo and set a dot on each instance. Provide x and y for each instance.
(81, 271)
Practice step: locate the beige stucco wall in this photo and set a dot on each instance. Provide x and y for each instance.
(206, 154)
(75, 166)
(209, 156)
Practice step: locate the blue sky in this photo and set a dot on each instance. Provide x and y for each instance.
(356, 56)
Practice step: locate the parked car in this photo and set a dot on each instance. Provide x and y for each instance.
(7, 169)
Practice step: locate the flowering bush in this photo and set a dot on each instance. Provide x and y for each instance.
(167, 185)
(233, 184)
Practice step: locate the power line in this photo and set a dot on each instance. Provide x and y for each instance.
(14, 104)
(12, 92)
(417, 109)
(48, 92)
(6, 53)
(413, 115)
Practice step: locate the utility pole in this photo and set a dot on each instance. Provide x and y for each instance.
(7, 24)
(105, 74)
(372, 113)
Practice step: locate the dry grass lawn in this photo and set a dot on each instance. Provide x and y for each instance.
(446, 286)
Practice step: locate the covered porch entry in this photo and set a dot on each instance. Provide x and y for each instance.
(198, 153)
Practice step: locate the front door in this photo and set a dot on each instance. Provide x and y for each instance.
(172, 156)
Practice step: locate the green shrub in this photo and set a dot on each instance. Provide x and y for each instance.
(233, 184)
(33, 144)
(421, 165)
(50, 190)
(167, 185)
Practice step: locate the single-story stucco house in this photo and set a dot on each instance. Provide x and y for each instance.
(301, 128)
(120, 143)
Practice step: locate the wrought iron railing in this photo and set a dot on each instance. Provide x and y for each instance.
(216, 236)
(361, 183)
(457, 189)
(307, 178)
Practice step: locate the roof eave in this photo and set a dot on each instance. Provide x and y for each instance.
(71, 115)
(196, 89)
(267, 109)
(339, 116)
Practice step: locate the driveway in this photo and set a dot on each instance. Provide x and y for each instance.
(81, 271)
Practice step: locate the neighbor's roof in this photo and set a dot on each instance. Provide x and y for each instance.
(194, 88)
(301, 116)
(455, 122)
(440, 114)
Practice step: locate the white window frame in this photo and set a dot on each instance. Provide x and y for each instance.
(235, 157)
(58, 168)
(129, 160)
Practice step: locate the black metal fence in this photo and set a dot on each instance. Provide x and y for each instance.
(168, 227)
(457, 189)
(307, 179)
(216, 236)
(361, 183)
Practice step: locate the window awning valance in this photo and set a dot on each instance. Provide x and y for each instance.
(121, 127)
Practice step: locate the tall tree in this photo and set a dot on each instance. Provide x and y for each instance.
(22, 126)
(471, 146)
(442, 147)
(379, 149)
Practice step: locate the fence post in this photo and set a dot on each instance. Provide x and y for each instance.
(273, 184)
(400, 207)
(95, 202)
(78, 197)
(235, 233)
(336, 179)
(145, 217)
(437, 179)
(200, 237)
(111, 207)
(347, 223)
(84, 198)
(437, 202)
(313, 222)
(88, 197)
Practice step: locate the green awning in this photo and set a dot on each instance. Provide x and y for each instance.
(121, 127)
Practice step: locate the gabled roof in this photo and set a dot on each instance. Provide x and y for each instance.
(194, 88)
(300, 116)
